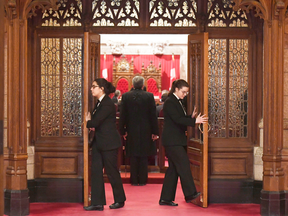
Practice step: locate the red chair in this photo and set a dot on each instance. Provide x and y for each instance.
(123, 85)
(152, 86)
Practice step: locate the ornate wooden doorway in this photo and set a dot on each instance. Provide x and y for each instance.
(71, 19)
(91, 68)
(198, 97)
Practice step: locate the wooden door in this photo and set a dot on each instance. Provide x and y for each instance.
(198, 96)
(91, 71)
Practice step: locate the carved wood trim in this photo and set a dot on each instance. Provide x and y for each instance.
(273, 122)
(123, 69)
(32, 6)
(10, 9)
(28, 8)
(259, 7)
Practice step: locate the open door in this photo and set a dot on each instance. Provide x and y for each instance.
(91, 71)
(198, 136)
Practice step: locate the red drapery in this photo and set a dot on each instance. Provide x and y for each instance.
(167, 64)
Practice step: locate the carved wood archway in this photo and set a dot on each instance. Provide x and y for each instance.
(263, 10)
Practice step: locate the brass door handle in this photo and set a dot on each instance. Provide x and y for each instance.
(209, 128)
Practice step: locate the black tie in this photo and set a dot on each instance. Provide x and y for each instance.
(180, 101)
(98, 102)
(96, 106)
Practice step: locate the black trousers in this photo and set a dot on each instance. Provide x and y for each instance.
(138, 170)
(179, 165)
(107, 159)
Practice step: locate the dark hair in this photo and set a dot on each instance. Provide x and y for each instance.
(180, 83)
(108, 87)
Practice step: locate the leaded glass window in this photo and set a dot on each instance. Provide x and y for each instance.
(238, 87)
(217, 56)
(61, 87)
(228, 76)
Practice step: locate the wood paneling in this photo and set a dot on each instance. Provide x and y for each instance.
(58, 165)
(231, 165)
(225, 166)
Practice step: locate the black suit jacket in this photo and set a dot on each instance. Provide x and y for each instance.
(138, 118)
(175, 123)
(104, 121)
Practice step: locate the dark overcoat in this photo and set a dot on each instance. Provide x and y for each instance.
(138, 119)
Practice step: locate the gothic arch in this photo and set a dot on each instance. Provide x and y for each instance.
(32, 6)
(259, 7)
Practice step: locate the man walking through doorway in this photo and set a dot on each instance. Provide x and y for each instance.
(139, 127)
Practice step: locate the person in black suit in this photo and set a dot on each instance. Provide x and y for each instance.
(105, 146)
(138, 122)
(174, 141)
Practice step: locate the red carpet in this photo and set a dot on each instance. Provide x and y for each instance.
(143, 200)
(153, 178)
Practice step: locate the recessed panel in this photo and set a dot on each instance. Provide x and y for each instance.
(59, 165)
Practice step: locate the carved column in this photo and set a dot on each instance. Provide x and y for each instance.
(16, 192)
(272, 195)
(273, 192)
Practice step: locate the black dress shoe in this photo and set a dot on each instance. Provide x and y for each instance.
(142, 184)
(117, 205)
(94, 208)
(190, 198)
(169, 203)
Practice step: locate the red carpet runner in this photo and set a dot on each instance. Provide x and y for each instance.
(143, 201)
